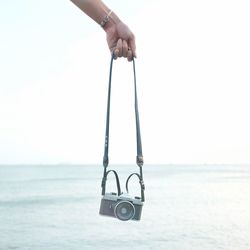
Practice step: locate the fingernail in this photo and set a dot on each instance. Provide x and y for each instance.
(116, 52)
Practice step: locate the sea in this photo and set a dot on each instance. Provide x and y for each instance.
(56, 207)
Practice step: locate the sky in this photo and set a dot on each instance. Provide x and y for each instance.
(192, 74)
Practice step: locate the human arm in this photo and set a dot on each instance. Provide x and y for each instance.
(120, 39)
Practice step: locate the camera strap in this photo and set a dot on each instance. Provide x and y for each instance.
(139, 157)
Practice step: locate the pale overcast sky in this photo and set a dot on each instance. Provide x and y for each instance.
(192, 72)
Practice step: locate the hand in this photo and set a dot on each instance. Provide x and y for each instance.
(121, 41)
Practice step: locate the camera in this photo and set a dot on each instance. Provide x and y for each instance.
(123, 207)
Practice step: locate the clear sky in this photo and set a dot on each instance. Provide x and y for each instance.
(193, 83)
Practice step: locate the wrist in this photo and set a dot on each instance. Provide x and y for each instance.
(113, 20)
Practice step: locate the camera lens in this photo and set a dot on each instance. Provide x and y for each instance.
(124, 210)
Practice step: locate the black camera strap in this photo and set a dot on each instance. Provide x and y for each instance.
(139, 157)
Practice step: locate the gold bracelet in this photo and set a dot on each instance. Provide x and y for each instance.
(105, 19)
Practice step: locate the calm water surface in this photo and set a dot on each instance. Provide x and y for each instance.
(187, 207)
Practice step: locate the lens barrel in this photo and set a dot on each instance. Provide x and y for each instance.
(124, 210)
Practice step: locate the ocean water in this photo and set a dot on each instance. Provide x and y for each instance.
(187, 207)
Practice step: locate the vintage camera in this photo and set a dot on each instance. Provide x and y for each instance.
(124, 207)
(121, 205)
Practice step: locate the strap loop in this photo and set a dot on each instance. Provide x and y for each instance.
(104, 179)
(141, 184)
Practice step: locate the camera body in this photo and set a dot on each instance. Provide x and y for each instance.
(123, 207)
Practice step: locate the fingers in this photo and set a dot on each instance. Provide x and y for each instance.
(118, 49)
(123, 49)
(130, 55)
(131, 44)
